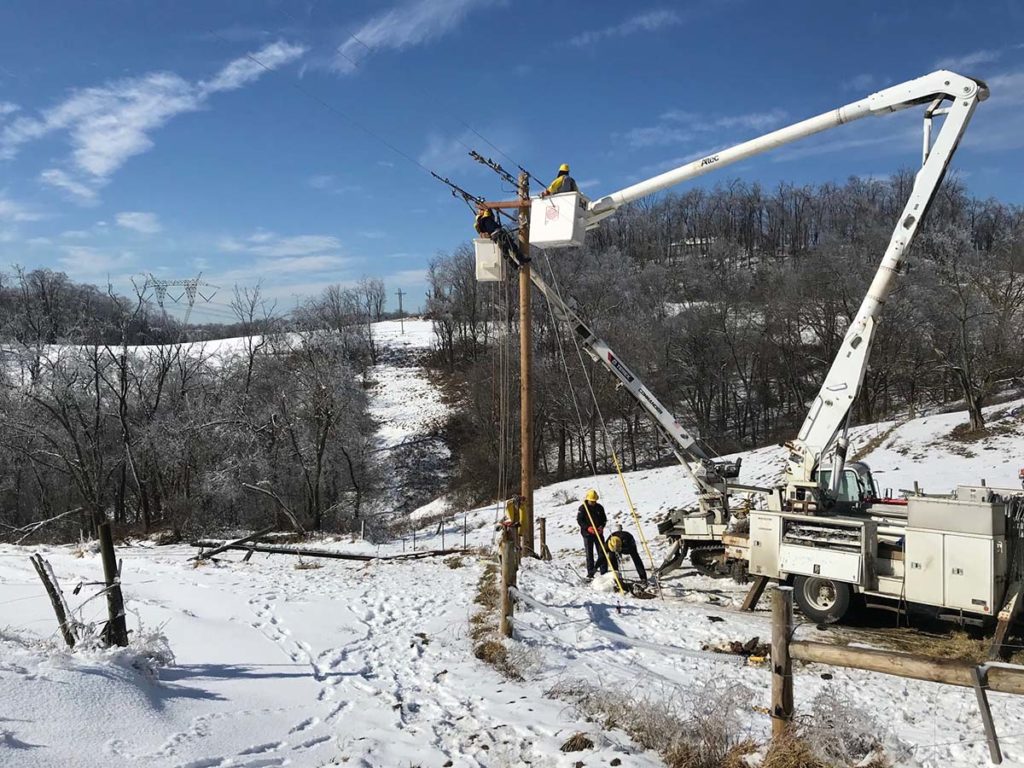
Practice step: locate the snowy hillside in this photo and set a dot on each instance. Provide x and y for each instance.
(371, 664)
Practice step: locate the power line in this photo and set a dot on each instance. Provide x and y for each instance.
(334, 110)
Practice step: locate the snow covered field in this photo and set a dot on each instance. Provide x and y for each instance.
(370, 664)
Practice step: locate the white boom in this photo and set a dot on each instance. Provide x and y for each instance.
(945, 94)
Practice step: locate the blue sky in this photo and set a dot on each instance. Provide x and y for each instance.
(286, 141)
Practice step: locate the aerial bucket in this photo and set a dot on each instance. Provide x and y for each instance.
(558, 221)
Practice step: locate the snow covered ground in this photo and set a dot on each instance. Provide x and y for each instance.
(370, 664)
(410, 413)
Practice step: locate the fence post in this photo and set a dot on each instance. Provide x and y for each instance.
(465, 529)
(782, 663)
(545, 553)
(508, 556)
(117, 630)
(413, 539)
(442, 533)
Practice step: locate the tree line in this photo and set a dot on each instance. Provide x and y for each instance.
(107, 411)
(731, 303)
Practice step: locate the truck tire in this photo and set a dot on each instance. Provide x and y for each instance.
(823, 601)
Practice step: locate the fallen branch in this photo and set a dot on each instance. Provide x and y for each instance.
(28, 530)
(236, 543)
(60, 607)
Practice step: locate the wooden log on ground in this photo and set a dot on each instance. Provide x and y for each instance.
(225, 546)
(56, 599)
(948, 671)
(271, 549)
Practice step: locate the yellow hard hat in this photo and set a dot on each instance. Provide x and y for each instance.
(563, 167)
(615, 543)
(591, 495)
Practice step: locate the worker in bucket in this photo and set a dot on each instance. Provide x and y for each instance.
(487, 225)
(563, 182)
(622, 543)
(592, 520)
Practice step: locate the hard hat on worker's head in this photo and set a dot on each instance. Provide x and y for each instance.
(615, 543)
(591, 495)
(563, 168)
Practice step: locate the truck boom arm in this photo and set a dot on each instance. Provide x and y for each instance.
(946, 94)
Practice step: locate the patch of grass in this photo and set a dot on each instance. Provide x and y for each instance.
(962, 433)
(453, 562)
(578, 742)
(307, 565)
(790, 750)
(872, 444)
(489, 646)
(703, 727)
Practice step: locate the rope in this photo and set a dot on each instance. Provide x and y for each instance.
(668, 650)
(604, 426)
(579, 416)
(604, 550)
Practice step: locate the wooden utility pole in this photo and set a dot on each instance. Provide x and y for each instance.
(526, 370)
(401, 315)
(782, 663)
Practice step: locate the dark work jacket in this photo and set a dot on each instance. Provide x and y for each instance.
(596, 512)
(628, 542)
(486, 223)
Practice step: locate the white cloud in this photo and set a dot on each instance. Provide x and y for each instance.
(139, 221)
(11, 210)
(250, 67)
(272, 246)
(446, 153)
(111, 123)
(861, 83)
(79, 192)
(651, 21)
(82, 261)
(403, 26)
(677, 127)
(327, 182)
(75, 234)
(969, 60)
(7, 108)
(300, 245)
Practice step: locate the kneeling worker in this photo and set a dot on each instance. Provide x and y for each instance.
(623, 543)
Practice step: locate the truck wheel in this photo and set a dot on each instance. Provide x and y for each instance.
(823, 601)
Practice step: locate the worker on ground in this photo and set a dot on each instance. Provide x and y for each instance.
(592, 520)
(563, 182)
(487, 225)
(622, 543)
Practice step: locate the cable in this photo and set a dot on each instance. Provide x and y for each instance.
(334, 110)
(604, 426)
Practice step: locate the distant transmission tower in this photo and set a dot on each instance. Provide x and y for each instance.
(191, 288)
